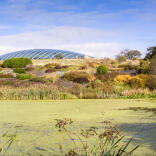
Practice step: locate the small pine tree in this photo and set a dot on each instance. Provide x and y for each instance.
(102, 69)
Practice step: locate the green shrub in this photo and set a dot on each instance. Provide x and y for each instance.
(24, 76)
(16, 62)
(102, 69)
(19, 70)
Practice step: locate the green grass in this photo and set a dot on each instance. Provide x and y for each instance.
(33, 122)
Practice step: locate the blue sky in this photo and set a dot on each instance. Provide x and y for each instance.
(100, 28)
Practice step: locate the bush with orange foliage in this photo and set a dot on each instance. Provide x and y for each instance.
(139, 81)
(123, 78)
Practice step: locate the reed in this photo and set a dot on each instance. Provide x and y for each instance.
(34, 92)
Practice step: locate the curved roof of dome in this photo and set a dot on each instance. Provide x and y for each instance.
(42, 54)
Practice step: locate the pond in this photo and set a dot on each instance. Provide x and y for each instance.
(34, 124)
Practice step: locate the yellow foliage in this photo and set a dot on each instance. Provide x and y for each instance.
(122, 78)
(91, 78)
(139, 81)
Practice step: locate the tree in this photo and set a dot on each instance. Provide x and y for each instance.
(151, 53)
(120, 58)
(153, 65)
(152, 77)
(59, 56)
(130, 54)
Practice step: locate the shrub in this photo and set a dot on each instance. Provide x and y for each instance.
(6, 75)
(6, 82)
(58, 67)
(122, 65)
(152, 78)
(51, 65)
(89, 93)
(151, 82)
(120, 87)
(123, 78)
(50, 70)
(59, 56)
(152, 67)
(143, 68)
(109, 76)
(41, 79)
(76, 89)
(81, 80)
(24, 76)
(95, 84)
(84, 67)
(138, 81)
(92, 64)
(19, 70)
(16, 62)
(98, 90)
(138, 93)
(128, 66)
(78, 77)
(29, 67)
(102, 69)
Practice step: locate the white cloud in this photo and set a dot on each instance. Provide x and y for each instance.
(79, 39)
(97, 49)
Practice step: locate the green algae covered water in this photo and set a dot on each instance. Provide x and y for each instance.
(34, 124)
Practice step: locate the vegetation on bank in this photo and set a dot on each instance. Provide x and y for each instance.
(94, 141)
(126, 77)
(101, 141)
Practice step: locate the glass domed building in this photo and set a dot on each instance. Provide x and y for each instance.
(43, 54)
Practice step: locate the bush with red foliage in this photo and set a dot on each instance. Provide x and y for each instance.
(78, 77)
